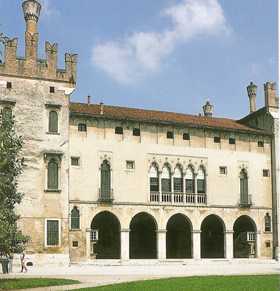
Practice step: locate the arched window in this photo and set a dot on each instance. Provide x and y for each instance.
(178, 180)
(267, 222)
(154, 181)
(201, 183)
(166, 180)
(244, 187)
(53, 122)
(105, 189)
(53, 175)
(190, 185)
(75, 218)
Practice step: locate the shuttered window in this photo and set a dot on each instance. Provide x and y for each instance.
(52, 232)
(178, 180)
(75, 218)
(166, 180)
(53, 175)
(243, 187)
(267, 221)
(105, 180)
(154, 180)
(53, 122)
(201, 184)
(190, 182)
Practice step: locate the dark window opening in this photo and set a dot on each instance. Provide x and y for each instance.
(75, 161)
(265, 173)
(170, 135)
(75, 244)
(186, 136)
(105, 191)
(244, 196)
(136, 131)
(9, 85)
(52, 90)
(75, 218)
(53, 175)
(118, 130)
(267, 221)
(52, 232)
(231, 140)
(217, 139)
(154, 184)
(223, 170)
(190, 186)
(260, 144)
(82, 127)
(178, 185)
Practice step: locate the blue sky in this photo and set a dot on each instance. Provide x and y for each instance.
(170, 55)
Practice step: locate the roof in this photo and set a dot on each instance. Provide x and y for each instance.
(159, 117)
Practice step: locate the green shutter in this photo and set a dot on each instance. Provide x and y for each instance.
(53, 122)
(105, 180)
(52, 233)
(75, 218)
(53, 175)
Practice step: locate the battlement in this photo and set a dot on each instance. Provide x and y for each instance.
(31, 66)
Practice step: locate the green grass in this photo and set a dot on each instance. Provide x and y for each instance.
(212, 283)
(27, 283)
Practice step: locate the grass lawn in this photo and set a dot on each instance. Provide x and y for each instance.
(26, 283)
(212, 283)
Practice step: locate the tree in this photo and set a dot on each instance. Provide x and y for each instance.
(11, 165)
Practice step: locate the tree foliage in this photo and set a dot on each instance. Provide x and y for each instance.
(11, 165)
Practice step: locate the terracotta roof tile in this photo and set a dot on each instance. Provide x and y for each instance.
(153, 116)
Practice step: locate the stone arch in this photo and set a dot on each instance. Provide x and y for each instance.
(143, 236)
(178, 237)
(244, 237)
(212, 237)
(108, 227)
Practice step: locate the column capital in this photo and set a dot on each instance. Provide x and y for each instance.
(196, 231)
(125, 230)
(161, 231)
(230, 231)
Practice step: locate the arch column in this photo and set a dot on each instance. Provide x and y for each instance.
(258, 244)
(125, 244)
(196, 244)
(229, 244)
(161, 244)
(88, 232)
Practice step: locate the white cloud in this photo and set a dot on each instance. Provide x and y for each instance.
(133, 57)
(48, 9)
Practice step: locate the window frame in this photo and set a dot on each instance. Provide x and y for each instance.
(266, 173)
(105, 195)
(76, 217)
(217, 139)
(77, 158)
(136, 131)
(50, 131)
(59, 232)
(132, 162)
(57, 157)
(186, 136)
(82, 125)
(223, 173)
(232, 140)
(170, 134)
(119, 130)
(267, 223)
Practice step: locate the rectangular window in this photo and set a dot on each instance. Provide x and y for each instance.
(231, 140)
(154, 185)
(223, 170)
(200, 186)
(169, 135)
(136, 131)
(166, 185)
(118, 130)
(75, 244)
(9, 85)
(186, 136)
(52, 233)
(260, 144)
(75, 161)
(82, 127)
(130, 165)
(190, 186)
(52, 90)
(265, 173)
(217, 139)
(94, 235)
(178, 185)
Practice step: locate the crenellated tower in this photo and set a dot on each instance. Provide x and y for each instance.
(31, 66)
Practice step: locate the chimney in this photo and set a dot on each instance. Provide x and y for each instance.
(88, 99)
(208, 109)
(252, 94)
(271, 99)
(101, 108)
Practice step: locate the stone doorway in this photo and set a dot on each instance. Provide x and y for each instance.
(178, 237)
(143, 237)
(212, 237)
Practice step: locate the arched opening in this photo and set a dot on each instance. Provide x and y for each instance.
(143, 237)
(106, 245)
(154, 183)
(201, 181)
(178, 180)
(190, 181)
(75, 218)
(212, 237)
(53, 174)
(244, 237)
(178, 237)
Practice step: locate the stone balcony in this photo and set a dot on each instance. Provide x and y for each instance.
(175, 198)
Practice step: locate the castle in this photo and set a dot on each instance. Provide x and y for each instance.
(112, 183)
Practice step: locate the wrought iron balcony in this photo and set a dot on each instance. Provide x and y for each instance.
(177, 198)
(245, 201)
(106, 196)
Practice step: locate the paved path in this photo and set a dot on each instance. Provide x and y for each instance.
(92, 275)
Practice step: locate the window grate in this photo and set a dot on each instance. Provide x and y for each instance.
(52, 232)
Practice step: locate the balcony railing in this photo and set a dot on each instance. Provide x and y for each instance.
(245, 201)
(106, 196)
(178, 198)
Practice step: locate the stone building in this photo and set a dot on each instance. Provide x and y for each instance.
(107, 182)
